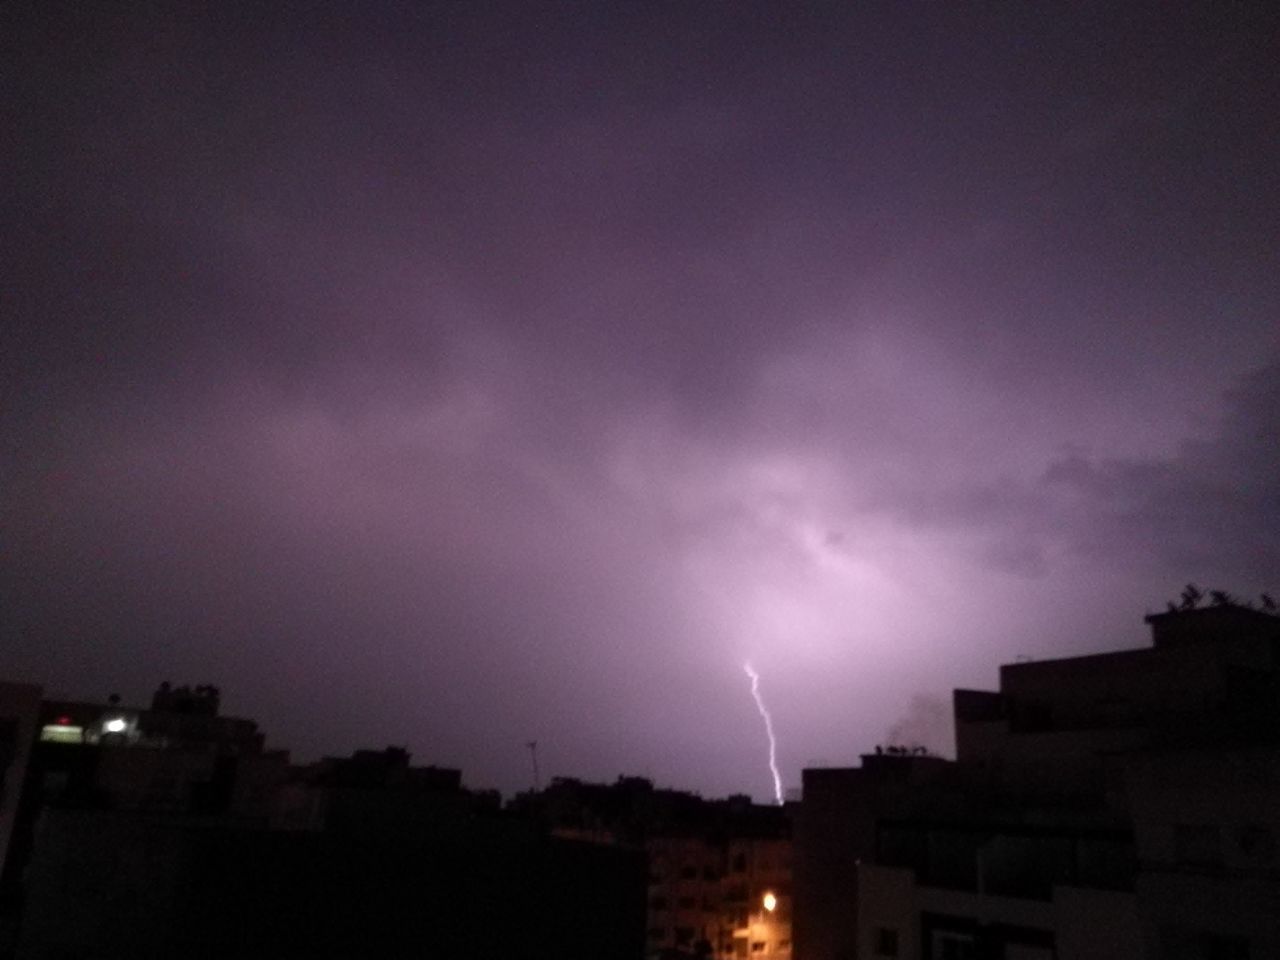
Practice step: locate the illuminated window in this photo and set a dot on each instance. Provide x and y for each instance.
(62, 733)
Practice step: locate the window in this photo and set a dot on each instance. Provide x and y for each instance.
(8, 740)
(55, 782)
(1178, 941)
(953, 946)
(8, 748)
(886, 942)
(688, 873)
(687, 903)
(1218, 947)
(62, 733)
(1257, 843)
(758, 946)
(1197, 845)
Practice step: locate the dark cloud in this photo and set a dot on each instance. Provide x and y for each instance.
(463, 375)
(1213, 505)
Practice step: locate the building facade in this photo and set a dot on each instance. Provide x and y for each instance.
(1120, 805)
(143, 834)
(720, 871)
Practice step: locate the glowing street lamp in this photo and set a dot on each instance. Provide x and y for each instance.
(770, 902)
(115, 725)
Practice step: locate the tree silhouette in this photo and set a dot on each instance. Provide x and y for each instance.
(1220, 598)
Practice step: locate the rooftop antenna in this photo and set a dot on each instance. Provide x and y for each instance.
(533, 753)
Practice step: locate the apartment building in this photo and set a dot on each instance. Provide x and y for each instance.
(1119, 805)
(719, 870)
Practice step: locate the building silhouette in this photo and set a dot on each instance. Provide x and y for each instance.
(1120, 805)
(171, 831)
(1117, 805)
(719, 870)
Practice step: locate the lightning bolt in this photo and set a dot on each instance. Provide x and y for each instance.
(768, 729)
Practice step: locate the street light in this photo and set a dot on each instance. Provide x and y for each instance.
(770, 902)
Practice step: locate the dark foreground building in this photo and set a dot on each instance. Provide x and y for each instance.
(171, 832)
(719, 870)
(107, 885)
(1110, 807)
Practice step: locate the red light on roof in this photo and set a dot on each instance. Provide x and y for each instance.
(64, 721)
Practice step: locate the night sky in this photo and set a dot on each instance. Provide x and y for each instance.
(456, 375)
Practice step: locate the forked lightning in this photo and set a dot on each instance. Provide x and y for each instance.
(768, 729)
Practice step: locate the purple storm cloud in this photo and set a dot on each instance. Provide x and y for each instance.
(459, 375)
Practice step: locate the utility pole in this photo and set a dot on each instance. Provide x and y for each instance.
(533, 753)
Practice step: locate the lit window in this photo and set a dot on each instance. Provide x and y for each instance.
(62, 733)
